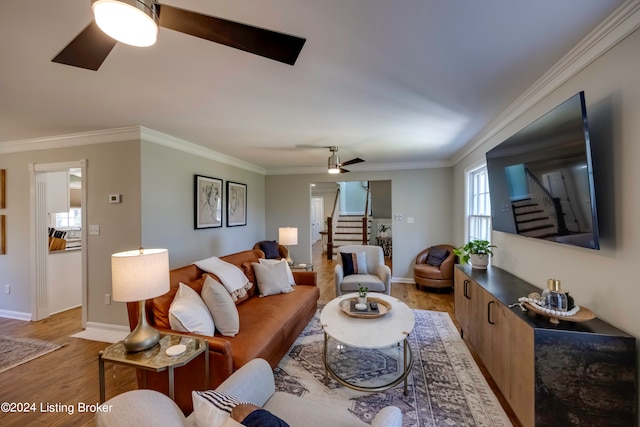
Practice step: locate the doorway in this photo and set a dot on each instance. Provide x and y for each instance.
(42, 176)
(317, 218)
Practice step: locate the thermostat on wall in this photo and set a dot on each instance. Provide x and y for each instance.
(115, 198)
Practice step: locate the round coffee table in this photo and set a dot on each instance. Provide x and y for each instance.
(367, 353)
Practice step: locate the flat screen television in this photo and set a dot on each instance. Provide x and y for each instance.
(541, 179)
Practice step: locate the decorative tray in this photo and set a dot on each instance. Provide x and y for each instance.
(582, 315)
(383, 308)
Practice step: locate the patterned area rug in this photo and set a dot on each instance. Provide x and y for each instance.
(446, 387)
(15, 351)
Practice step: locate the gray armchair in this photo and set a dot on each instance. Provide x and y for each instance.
(377, 276)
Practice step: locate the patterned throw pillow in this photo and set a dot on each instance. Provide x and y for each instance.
(212, 408)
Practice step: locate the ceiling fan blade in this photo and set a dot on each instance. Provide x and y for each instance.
(269, 44)
(344, 170)
(88, 50)
(352, 162)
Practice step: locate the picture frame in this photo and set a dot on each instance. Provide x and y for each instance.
(236, 204)
(208, 194)
(3, 234)
(3, 188)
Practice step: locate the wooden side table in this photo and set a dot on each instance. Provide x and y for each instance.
(156, 359)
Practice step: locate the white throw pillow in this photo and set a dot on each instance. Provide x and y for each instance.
(231, 276)
(272, 278)
(292, 281)
(213, 409)
(188, 313)
(221, 306)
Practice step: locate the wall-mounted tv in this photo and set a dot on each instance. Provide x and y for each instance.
(541, 179)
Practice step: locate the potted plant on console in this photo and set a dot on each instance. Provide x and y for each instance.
(478, 251)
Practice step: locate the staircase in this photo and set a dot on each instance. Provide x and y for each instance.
(532, 220)
(348, 231)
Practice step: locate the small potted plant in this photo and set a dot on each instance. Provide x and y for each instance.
(362, 294)
(383, 230)
(478, 251)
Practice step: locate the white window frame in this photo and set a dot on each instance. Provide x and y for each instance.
(478, 206)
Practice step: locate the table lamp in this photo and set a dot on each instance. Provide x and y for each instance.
(288, 236)
(137, 276)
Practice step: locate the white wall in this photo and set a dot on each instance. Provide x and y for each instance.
(606, 281)
(423, 194)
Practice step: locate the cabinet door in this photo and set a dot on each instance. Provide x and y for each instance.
(521, 395)
(462, 302)
(480, 330)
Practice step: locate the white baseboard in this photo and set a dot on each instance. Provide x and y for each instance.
(402, 280)
(103, 332)
(18, 315)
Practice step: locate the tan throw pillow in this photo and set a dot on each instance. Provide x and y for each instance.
(188, 313)
(221, 306)
(292, 281)
(272, 278)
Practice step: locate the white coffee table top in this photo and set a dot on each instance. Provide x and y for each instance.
(377, 332)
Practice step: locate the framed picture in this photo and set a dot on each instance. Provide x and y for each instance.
(236, 204)
(3, 190)
(207, 202)
(3, 235)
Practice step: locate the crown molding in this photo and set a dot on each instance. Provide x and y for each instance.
(620, 24)
(124, 134)
(130, 133)
(155, 137)
(367, 167)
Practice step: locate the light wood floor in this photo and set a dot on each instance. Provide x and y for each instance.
(69, 375)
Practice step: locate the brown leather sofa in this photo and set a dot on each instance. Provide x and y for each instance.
(268, 327)
(434, 277)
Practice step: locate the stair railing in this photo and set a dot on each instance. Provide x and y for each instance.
(365, 219)
(330, 227)
(540, 195)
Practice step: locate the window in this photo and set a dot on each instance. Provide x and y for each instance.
(479, 206)
(70, 219)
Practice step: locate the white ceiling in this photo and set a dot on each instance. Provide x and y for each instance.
(393, 82)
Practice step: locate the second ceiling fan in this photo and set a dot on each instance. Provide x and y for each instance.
(90, 48)
(334, 165)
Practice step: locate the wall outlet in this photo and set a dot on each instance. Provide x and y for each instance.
(7, 289)
(107, 299)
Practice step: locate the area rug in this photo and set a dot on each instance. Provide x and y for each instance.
(15, 351)
(446, 387)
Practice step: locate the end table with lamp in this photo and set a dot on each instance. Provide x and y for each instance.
(136, 276)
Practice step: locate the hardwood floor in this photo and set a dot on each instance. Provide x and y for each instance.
(69, 376)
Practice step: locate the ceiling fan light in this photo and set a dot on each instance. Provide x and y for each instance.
(133, 22)
(333, 164)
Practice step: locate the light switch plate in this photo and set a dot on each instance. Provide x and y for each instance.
(94, 230)
(410, 220)
(115, 198)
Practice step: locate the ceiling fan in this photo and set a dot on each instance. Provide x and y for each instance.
(90, 48)
(334, 165)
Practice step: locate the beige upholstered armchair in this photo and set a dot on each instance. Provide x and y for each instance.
(364, 265)
(434, 267)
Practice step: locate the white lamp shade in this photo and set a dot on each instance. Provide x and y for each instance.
(139, 275)
(128, 21)
(288, 236)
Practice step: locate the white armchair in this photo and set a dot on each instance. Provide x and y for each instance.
(377, 276)
(254, 383)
